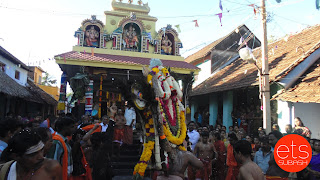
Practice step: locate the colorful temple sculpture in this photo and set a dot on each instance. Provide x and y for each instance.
(124, 59)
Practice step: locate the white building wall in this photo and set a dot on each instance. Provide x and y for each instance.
(284, 114)
(11, 69)
(204, 73)
(310, 116)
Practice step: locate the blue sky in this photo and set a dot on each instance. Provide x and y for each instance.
(36, 30)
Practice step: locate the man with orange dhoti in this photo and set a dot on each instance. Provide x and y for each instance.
(233, 168)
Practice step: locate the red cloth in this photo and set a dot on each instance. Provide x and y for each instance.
(128, 135)
(220, 166)
(118, 135)
(233, 169)
(205, 172)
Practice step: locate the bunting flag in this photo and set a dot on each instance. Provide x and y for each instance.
(196, 23)
(178, 28)
(220, 17)
(92, 52)
(220, 5)
(318, 4)
(254, 8)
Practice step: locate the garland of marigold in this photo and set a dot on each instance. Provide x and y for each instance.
(141, 166)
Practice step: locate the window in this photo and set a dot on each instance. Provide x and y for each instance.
(2, 67)
(17, 75)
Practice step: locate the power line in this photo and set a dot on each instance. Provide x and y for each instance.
(291, 20)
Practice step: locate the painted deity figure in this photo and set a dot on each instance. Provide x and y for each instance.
(92, 36)
(166, 45)
(130, 37)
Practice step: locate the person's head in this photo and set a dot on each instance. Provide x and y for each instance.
(218, 126)
(8, 127)
(65, 126)
(275, 127)
(199, 129)
(26, 148)
(242, 133)
(217, 136)
(105, 119)
(205, 129)
(232, 138)
(46, 138)
(265, 146)
(224, 128)
(316, 145)
(274, 136)
(84, 119)
(288, 128)
(235, 129)
(230, 129)
(191, 126)
(262, 133)
(242, 150)
(119, 117)
(256, 141)
(223, 134)
(96, 140)
(312, 143)
(205, 137)
(249, 139)
(298, 122)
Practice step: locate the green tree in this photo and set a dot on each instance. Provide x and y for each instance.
(48, 80)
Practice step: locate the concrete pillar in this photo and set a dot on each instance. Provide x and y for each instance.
(213, 109)
(194, 106)
(227, 109)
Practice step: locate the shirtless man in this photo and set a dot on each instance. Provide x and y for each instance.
(206, 152)
(26, 149)
(179, 166)
(248, 170)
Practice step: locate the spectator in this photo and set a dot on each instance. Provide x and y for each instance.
(274, 170)
(275, 127)
(193, 135)
(233, 168)
(46, 138)
(300, 129)
(314, 165)
(220, 165)
(29, 162)
(104, 123)
(288, 129)
(61, 151)
(262, 157)
(8, 127)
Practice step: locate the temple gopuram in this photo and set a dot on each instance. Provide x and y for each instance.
(116, 50)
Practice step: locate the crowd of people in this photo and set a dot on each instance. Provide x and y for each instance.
(239, 155)
(65, 148)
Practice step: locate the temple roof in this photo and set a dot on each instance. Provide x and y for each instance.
(118, 61)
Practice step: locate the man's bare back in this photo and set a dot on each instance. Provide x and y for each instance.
(250, 171)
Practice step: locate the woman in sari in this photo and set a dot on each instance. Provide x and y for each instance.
(300, 129)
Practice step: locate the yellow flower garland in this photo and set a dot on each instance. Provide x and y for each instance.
(183, 129)
(141, 167)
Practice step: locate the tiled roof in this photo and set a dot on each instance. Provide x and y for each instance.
(281, 55)
(117, 59)
(39, 95)
(11, 87)
(203, 52)
(307, 90)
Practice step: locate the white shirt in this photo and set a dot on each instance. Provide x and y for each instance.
(194, 137)
(104, 127)
(130, 116)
